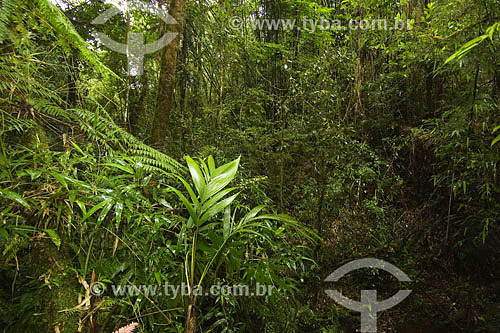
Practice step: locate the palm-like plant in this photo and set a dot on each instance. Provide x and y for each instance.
(210, 197)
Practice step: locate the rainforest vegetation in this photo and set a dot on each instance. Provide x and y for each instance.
(256, 143)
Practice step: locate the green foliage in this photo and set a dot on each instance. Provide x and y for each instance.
(467, 47)
(211, 198)
(65, 30)
(364, 136)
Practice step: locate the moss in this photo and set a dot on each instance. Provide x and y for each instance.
(53, 266)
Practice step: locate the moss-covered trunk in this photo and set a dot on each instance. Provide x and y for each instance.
(53, 268)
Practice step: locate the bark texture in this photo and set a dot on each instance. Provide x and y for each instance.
(167, 75)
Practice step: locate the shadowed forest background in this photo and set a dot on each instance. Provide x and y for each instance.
(247, 155)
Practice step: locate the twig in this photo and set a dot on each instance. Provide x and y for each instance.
(153, 303)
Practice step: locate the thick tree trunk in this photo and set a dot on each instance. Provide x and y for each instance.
(55, 266)
(52, 265)
(167, 76)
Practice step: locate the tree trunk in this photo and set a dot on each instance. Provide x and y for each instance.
(190, 326)
(55, 266)
(167, 75)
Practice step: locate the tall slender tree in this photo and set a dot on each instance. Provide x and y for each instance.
(167, 74)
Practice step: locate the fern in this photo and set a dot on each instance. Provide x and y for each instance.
(100, 127)
(53, 15)
(8, 8)
(47, 107)
(15, 124)
(26, 97)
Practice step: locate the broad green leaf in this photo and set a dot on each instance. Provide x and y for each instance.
(224, 168)
(216, 208)
(222, 176)
(215, 199)
(14, 197)
(197, 175)
(211, 164)
(186, 203)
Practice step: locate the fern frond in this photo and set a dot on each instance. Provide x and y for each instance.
(45, 106)
(15, 124)
(53, 15)
(100, 127)
(8, 8)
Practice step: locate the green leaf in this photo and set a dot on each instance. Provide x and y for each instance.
(211, 164)
(189, 189)
(54, 237)
(215, 198)
(495, 140)
(217, 208)
(291, 222)
(82, 206)
(118, 213)
(186, 203)
(94, 209)
(491, 30)
(221, 177)
(77, 148)
(157, 277)
(466, 48)
(197, 175)
(14, 197)
(122, 167)
(4, 233)
(226, 222)
(104, 212)
(251, 214)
